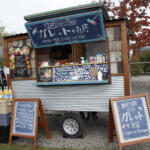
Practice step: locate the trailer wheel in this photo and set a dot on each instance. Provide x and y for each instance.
(72, 126)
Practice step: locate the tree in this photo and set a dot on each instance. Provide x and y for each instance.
(138, 19)
(2, 34)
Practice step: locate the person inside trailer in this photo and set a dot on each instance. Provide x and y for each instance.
(60, 55)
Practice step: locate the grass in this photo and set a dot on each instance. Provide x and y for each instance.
(19, 147)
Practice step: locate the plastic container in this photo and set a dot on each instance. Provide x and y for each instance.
(91, 59)
(5, 106)
(99, 58)
(104, 58)
(100, 76)
(5, 119)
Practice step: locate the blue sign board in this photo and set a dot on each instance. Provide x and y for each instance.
(133, 119)
(79, 72)
(79, 28)
(24, 118)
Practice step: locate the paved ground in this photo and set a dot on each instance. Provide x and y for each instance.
(96, 131)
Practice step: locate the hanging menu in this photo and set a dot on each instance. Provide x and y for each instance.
(79, 28)
(132, 119)
(24, 117)
(21, 66)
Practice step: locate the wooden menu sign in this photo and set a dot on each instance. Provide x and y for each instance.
(130, 117)
(24, 120)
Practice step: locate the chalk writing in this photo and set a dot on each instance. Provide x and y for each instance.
(24, 119)
(133, 116)
(76, 28)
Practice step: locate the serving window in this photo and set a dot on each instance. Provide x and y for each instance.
(84, 62)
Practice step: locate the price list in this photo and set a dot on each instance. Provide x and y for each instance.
(24, 119)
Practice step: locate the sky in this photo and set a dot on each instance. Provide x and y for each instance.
(12, 12)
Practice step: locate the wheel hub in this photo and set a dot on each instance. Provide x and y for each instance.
(71, 126)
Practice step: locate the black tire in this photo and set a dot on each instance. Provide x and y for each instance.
(72, 126)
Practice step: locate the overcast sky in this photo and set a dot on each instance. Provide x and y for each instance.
(12, 12)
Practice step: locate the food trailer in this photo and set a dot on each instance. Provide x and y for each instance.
(73, 59)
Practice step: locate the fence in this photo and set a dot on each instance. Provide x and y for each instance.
(140, 68)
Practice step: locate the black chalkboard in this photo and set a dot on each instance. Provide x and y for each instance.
(79, 28)
(20, 67)
(20, 61)
(45, 74)
(132, 119)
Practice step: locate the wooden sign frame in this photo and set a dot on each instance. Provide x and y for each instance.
(44, 123)
(113, 122)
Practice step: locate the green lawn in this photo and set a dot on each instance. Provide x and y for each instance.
(18, 147)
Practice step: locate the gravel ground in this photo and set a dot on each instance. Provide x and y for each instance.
(95, 136)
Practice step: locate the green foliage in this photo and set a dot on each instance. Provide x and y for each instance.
(2, 61)
(145, 57)
(136, 68)
(2, 35)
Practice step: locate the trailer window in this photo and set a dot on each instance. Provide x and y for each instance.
(115, 45)
(21, 59)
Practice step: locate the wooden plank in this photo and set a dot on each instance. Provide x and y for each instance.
(112, 24)
(117, 33)
(125, 58)
(110, 33)
(44, 122)
(16, 38)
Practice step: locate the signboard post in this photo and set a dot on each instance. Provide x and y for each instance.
(130, 117)
(24, 120)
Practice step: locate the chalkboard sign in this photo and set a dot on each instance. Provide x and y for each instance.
(79, 28)
(79, 72)
(25, 114)
(24, 119)
(132, 119)
(45, 74)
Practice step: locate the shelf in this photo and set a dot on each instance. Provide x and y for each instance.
(71, 83)
(73, 65)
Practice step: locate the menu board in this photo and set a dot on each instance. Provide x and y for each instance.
(80, 72)
(78, 28)
(45, 74)
(132, 120)
(24, 117)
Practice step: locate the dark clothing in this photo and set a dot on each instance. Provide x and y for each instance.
(3, 81)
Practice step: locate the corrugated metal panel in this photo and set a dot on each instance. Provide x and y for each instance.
(71, 98)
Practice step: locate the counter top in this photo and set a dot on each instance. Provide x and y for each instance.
(71, 83)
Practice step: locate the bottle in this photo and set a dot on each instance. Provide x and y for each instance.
(100, 75)
(1, 94)
(82, 60)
